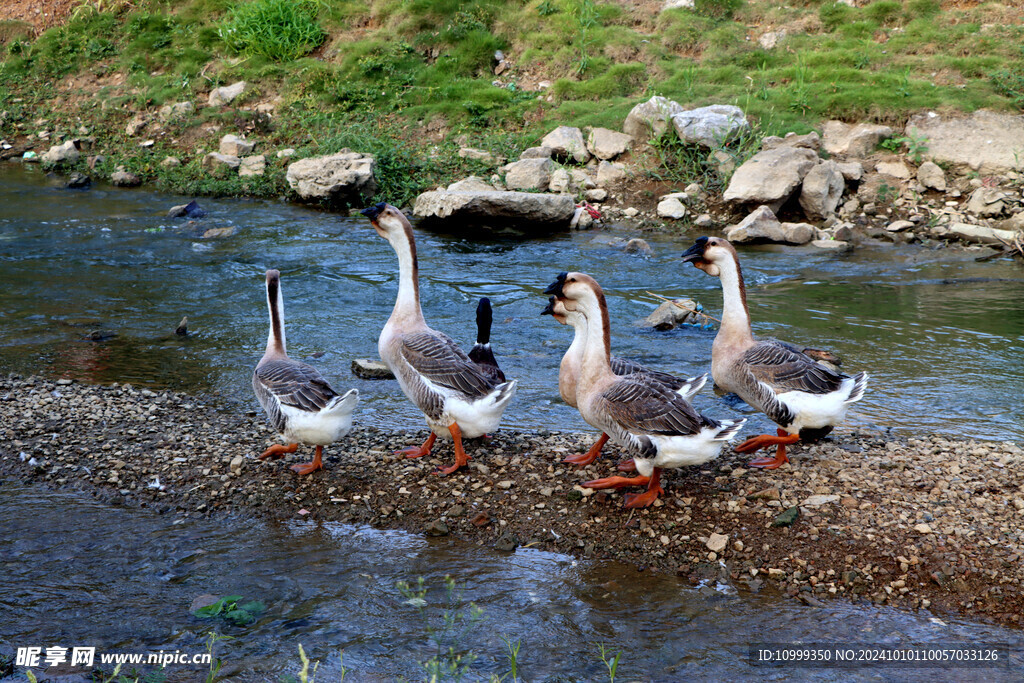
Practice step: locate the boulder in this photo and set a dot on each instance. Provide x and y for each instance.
(254, 165)
(762, 226)
(476, 155)
(123, 178)
(980, 233)
(580, 179)
(596, 195)
(897, 169)
(822, 188)
(190, 210)
(986, 142)
(852, 171)
(1015, 222)
(566, 142)
(770, 39)
(651, 118)
(78, 181)
(711, 126)
(226, 94)
(471, 184)
(235, 146)
(770, 176)
(285, 153)
(345, 176)
(671, 207)
(176, 111)
(899, 226)
(494, 207)
(64, 153)
(604, 143)
(136, 125)
(832, 245)
(809, 140)
(932, 176)
(559, 181)
(853, 141)
(170, 162)
(529, 174)
(668, 316)
(536, 153)
(214, 233)
(610, 173)
(638, 245)
(987, 201)
(215, 161)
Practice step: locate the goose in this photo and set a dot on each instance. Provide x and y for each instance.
(571, 367)
(301, 405)
(792, 386)
(645, 417)
(481, 353)
(458, 399)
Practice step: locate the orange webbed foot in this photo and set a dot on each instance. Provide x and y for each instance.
(461, 459)
(627, 466)
(616, 482)
(771, 463)
(310, 467)
(418, 451)
(642, 500)
(757, 443)
(278, 451)
(583, 459)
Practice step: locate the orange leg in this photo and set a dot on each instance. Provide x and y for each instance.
(766, 441)
(633, 500)
(278, 451)
(591, 455)
(461, 459)
(419, 451)
(310, 467)
(627, 466)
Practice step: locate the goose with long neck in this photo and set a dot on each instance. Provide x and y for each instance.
(646, 418)
(458, 398)
(571, 367)
(299, 402)
(801, 394)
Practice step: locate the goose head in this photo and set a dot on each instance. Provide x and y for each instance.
(577, 292)
(708, 253)
(389, 221)
(557, 310)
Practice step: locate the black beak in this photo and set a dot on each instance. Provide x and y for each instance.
(373, 211)
(556, 286)
(550, 308)
(694, 253)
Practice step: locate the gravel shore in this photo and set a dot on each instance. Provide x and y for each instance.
(927, 522)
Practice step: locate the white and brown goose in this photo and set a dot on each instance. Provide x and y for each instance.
(301, 405)
(789, 385)
(644, 417)
(458, 398)
(572, 365)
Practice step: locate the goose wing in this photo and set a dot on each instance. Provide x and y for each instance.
(439, 359)
(625, 366)
(772, 368)
(651, 408)
(290, 383)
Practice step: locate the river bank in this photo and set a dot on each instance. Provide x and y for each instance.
(927, 522)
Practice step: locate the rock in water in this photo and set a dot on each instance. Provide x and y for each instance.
(182, 329)
(78, 181)
(371, 369)
(343, 176)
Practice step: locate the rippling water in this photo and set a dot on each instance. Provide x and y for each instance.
(79, 573)
(941, 335)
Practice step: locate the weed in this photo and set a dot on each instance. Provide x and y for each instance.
(612, 664)
(456, 622)
(278, 30)
(512, 652)
(719, 10)
(886, 194)
(232, 610)
(916, 146)
(212, 638)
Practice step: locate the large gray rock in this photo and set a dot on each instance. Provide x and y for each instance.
(236, 146)
(669, 316)
(671, 207)
(176, 111)
(566, 142)
(770, 176)
(980, 233)
(604, 143)
(710, 126)
(853, 141)
(341, 176)
(529, 174)
(520, 209)
(226, 94)
(64, 153)
(931, 176)
(762, 226)
(476, 155)
(821, 190)
(123, 178)
(471, 184)
(985, 141)
(809, 140)
(215, 161)
(610, 173)
(254, 165)
(987, 201)
(651, 118)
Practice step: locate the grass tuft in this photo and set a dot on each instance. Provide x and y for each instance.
(278, 30)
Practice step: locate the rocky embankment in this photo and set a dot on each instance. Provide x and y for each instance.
(927, 522)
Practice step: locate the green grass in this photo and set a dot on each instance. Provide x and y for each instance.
(374, 75)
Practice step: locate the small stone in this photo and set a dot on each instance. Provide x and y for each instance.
(236, 463)
(123, 178)
(671, 208)
(214, 233)
(596, 195)
(366, 368)
(922, 528)
(170, 162)
(252, 166)
(717, 542)
(78, 181)
(787, 518)
(233, 145)
(849, 502)
(285, 153)
(776, 574)
(506, 542)
(437, 528)
(481, 519)
(765, 494)
(631, 212)
(504, 484)
(226, 94)
(638, 245)
(704, 221)
(899, 226)
(818, 500)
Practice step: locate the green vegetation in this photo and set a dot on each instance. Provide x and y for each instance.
(233, 610)
(408, 79)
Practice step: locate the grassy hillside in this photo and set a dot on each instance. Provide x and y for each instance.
(411, 80)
